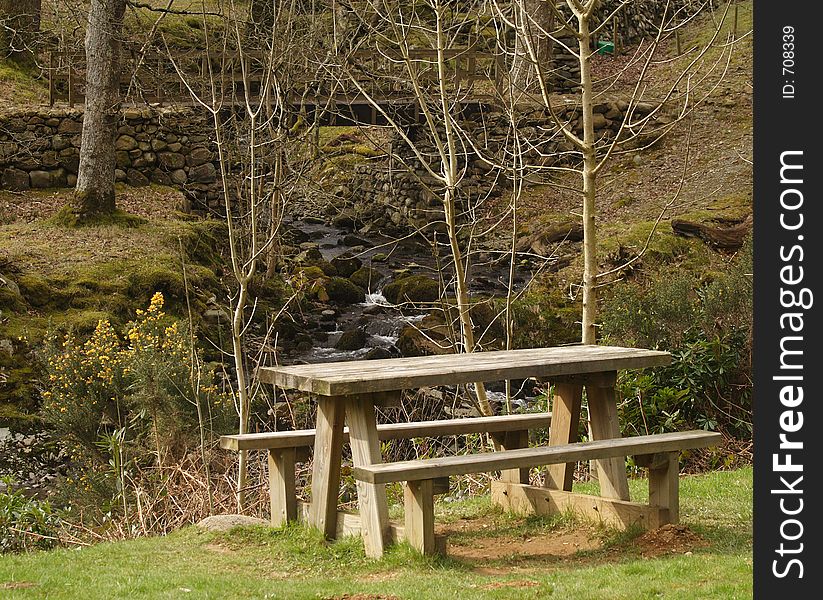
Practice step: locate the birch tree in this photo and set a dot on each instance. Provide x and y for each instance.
(419, 40)
(686, 90)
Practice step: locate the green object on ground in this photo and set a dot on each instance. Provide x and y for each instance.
(605, 47)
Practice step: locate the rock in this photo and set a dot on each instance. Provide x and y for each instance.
(353, 339)
(69, 126)
(199, 156)
(71, 180)
(343, 221)
(380, 257)
(378, 354)
(328, 315)
(179, 177)
(59, 142)
(122, 159)
(227, 522)
(352, 240)
(171, 160)
(414, 288)
(346, 265)
(119, 175)
(15, 179)
(205, 173)
(158, 145)
(309, 255)
(366, 278)
(160, 177)
(41, 179)
(136, 179)
(126, 143)
(343, 291)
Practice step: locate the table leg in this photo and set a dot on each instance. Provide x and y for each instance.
(365, 448)
(328, 456)
(611, 472)
(563, 430)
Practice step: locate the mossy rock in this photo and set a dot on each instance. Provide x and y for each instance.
(36, 290)
(366, 278)
(414, 288)
(11, 300)
(346, 265)
(343, 291)
(310, 273)
(353, 339)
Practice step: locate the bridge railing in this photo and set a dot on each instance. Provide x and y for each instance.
(151, 77)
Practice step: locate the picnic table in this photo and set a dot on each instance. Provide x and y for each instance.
(347, 392)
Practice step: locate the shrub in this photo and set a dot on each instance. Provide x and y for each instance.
(26, 523)
(707, 326)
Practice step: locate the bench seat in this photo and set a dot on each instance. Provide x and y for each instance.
(658, 452)
(285, 448)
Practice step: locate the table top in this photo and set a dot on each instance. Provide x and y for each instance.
(367, 376)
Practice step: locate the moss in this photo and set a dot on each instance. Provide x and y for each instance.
(311, 273)
(366, 278)
(68, 217)
(343, 291)
(413, 288)
(10, 300)
(35, 289)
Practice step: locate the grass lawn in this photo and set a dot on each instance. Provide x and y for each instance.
(711, 557)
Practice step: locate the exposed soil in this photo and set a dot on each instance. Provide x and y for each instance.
(485, 551)
(669, 539)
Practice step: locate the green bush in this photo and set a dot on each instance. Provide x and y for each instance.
(143, 391)
(26, 523)
(707, 327)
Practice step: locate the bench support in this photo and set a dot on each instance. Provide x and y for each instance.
(419, 508)
(511, 440)
(565, 423)
(531, 500)
(281, 486)
(664, 483)
(328, 456)
(605, 426)
(365, 449)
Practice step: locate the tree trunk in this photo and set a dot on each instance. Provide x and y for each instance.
(94, 195)
(20, 22)
(531, 16)
(589, 333)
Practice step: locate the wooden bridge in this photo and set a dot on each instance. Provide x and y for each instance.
(475, 77)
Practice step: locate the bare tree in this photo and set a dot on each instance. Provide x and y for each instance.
(94, 194)
(422, 41)
(684, 91)
(249, 91)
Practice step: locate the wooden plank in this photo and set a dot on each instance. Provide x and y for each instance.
(511, 440)
(664, 486)
(432, 468)
(392, 431)
(419, 515)
(564, 430)
(350, 524)
(371, 496)
(328, 456)
(282, 495)
(531, 500)
(357, 377)
(611, 472)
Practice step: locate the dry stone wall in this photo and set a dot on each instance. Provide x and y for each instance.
(41, 149)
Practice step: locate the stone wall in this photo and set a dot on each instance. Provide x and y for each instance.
(400, 194)
(41, 149)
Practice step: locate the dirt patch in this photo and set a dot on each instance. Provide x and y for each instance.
(17, 585)
(669, 539)
(509, 584)
(362, 597)
(551, 545)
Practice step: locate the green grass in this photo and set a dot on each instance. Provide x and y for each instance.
(294, 563)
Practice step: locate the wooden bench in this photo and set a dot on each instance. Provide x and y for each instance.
(285, 448)
(659, 453)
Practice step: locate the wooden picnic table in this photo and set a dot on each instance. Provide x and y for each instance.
(349, 391)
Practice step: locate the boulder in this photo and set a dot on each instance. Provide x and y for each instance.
(343, 291)
(366, 278)
(205, 173)
(126, 143)
(353, 339)
(171, 160)
(15, 179)
(41, 179)
(136, 179)
(346, 265)
(414, 288)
